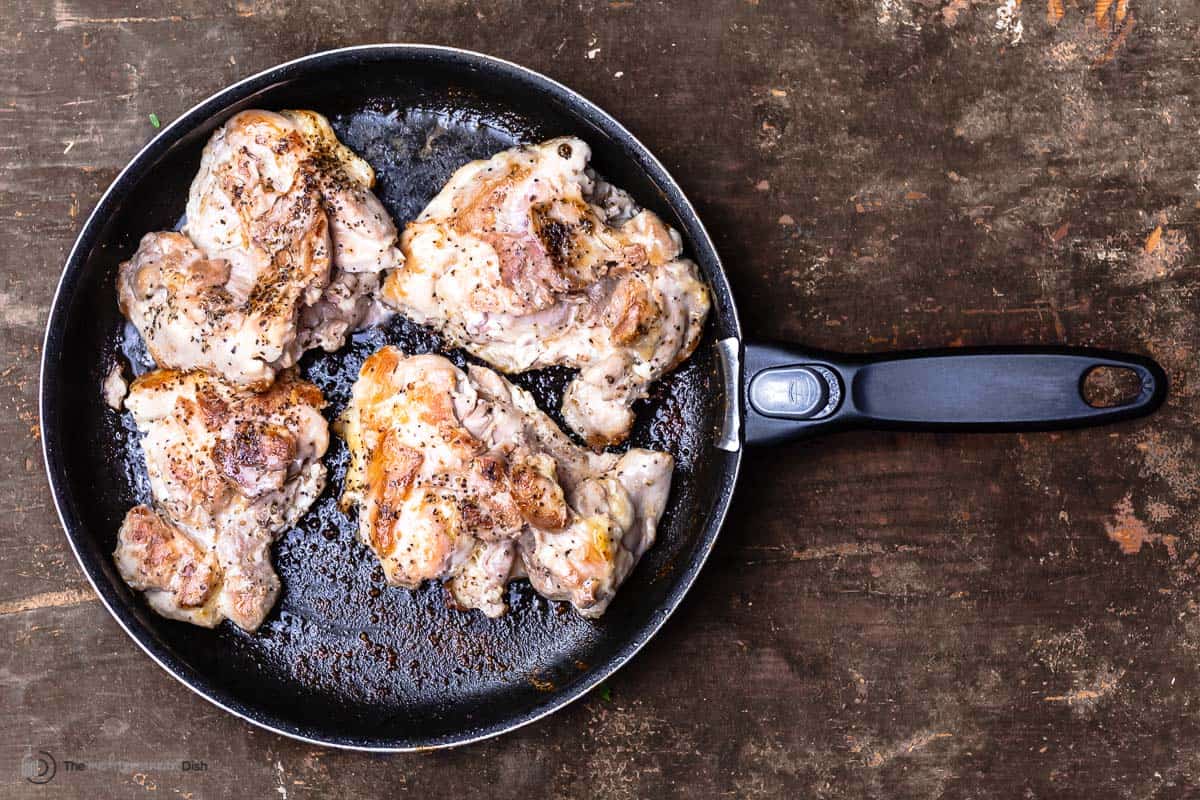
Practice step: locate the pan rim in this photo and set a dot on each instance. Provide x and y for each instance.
(60, 490)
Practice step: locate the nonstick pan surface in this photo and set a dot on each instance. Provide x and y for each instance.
(345, 660)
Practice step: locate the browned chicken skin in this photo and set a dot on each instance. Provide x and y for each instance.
(155, 556)
(527, 260)
(283, 251)
(458, 476)
(229, 470)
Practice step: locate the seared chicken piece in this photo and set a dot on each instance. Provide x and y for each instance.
(179, 576)
(527, 260)
(457, 475)
(283, 251)
(229, 470)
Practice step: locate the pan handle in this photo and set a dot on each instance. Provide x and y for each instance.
(791, 393)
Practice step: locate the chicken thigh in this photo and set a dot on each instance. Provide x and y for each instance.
(528, 260)
(459, 476)
(228, 470)
(283, 251)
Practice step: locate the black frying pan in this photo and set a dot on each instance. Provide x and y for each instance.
(346, 661)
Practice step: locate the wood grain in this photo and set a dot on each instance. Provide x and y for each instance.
(886, 615)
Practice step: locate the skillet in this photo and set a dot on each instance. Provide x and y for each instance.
(344, 660)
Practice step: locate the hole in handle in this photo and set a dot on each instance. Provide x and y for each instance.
(1110, 387)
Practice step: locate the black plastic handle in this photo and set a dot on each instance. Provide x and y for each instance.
(790, 393)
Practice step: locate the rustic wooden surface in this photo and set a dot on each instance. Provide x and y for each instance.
(885, 615)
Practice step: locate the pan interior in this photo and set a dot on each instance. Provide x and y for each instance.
(344, 658)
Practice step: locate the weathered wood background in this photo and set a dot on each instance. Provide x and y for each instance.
(886, 615)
